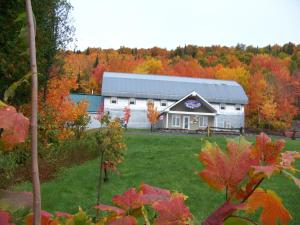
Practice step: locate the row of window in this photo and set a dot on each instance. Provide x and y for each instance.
(176, 121)
(223, 107)
(132, 101)
(203, 121)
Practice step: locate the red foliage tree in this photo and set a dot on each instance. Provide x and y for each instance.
(127, 114)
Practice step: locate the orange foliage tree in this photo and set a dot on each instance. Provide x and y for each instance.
(58, 110)
(271, 81)
(152, 114)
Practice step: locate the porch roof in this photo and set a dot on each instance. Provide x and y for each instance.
(190, 113)
(194, 94)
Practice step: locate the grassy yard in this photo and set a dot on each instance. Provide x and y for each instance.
(165, 161)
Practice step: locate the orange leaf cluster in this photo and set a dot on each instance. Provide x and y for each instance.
(172, 211)
(273, 210)
(240, 170)
(152, 113)
(58, 109)
(170, 207)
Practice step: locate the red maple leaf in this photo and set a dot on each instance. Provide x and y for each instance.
(132, 199)
(226, 169)
(109, 208)
(15, 126)
(172, 212)
(127, 220)
(5, 218)
(148, 189)
(268, 157)
(128, 200)
(267, 151)
(150, 194)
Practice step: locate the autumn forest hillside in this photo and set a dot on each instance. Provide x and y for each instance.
(269, 75)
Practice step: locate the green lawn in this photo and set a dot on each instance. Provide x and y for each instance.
(165, 161)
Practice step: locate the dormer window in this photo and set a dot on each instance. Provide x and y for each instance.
(132, 101)
(238, 107)
(222, 106)
(163, 102)
(113, 100)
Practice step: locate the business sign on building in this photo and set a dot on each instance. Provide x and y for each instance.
(192, 104)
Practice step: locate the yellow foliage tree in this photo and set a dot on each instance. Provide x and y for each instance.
(150, 66)
(268, 109)
(239, 74)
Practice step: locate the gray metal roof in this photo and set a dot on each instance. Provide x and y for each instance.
(171, 87)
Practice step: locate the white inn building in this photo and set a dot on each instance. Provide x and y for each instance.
(183, 103)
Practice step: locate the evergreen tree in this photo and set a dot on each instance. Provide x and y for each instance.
(96, 62)
(53, 32)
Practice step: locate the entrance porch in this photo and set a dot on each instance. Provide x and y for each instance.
(192, 112)
(186, 120)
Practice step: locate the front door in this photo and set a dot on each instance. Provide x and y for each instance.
(186, 122)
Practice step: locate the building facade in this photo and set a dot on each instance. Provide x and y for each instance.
(183, 103)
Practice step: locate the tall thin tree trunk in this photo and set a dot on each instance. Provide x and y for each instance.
(34, 109)
(99, 182)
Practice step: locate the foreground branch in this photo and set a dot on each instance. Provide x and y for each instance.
(251, 192)
(244, 218)
(34, 111)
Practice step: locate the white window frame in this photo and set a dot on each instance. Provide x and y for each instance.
(163, 102)
(113, 99)
(204, 122)
(183, 122)
(132, 101)
(238, 107)
(175, 119)
(222, 105)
